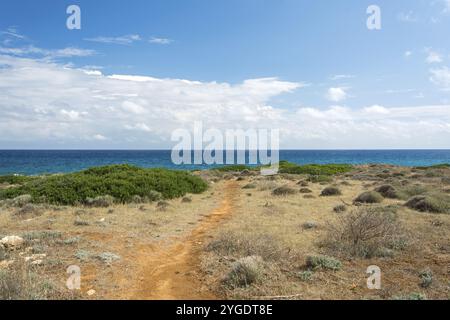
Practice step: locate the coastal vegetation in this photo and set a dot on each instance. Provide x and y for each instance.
(116, 183)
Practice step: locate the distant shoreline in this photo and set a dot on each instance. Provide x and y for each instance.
(35, 162)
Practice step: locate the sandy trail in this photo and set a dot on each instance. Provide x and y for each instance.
(171, 271)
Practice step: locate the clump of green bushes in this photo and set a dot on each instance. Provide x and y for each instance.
(118, 182)
(314, 169)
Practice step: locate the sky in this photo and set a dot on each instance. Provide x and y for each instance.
(138, 70)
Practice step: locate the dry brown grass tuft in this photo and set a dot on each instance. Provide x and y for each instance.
(365, 233)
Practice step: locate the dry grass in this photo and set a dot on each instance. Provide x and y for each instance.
(263, 225)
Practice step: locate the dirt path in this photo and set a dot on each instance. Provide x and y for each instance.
(172, 271)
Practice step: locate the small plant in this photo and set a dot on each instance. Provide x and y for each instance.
(411, 296)
(305, 275)
(305, 190)
(245, 272)
(100, 201)
(80, 223)
(83, 255)
(426, 278)
(186, 200)
(323, 262)
(340, 208)
(284, 191)
(249, 186)
(309, 225)
(369, 197)
(330, 191)
(108, 257)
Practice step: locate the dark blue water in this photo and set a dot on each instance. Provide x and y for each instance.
(55, 161)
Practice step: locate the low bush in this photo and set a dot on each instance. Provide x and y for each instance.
(305, 190)
(330, 191)
(122, 182)
(284, 191)
(320, 179)
(236, 168)
(323, 262)
(340, 208)
(22, 283)
(245, 272)
(101, 201)
(426, 278)
(369, 197)
(387, 191)
(433, 203)
(365, 233)
(16, 179)
(241, 245)
(314, 169)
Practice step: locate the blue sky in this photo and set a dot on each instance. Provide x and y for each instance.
(311, 68)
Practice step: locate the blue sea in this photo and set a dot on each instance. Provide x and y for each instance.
(32, 162)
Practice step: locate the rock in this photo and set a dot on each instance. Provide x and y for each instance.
(91, 292)
(12, 242)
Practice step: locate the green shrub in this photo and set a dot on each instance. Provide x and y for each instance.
(235, 168)
(305, 190)
(411, 296)
(434, 203)
(387, 191)
(323, 262)
(283, 191)
(314, 169)
(16, 179)
(369, 197)
(305, 275)
(426, 278)
(320, 179)
(411, 191)
(122, 182)
(330, 191)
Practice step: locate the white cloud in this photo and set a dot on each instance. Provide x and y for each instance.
(45, 104)
(407, 17)
(433, 56)
(336, 94)
(446, 4)
(160, 40)
(342, 76)
(58, 53)
(121, 40)
(441, 77)
(129, 39)
(407, 54)
(99, 137)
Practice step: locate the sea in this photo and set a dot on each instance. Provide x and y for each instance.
(34, 162)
